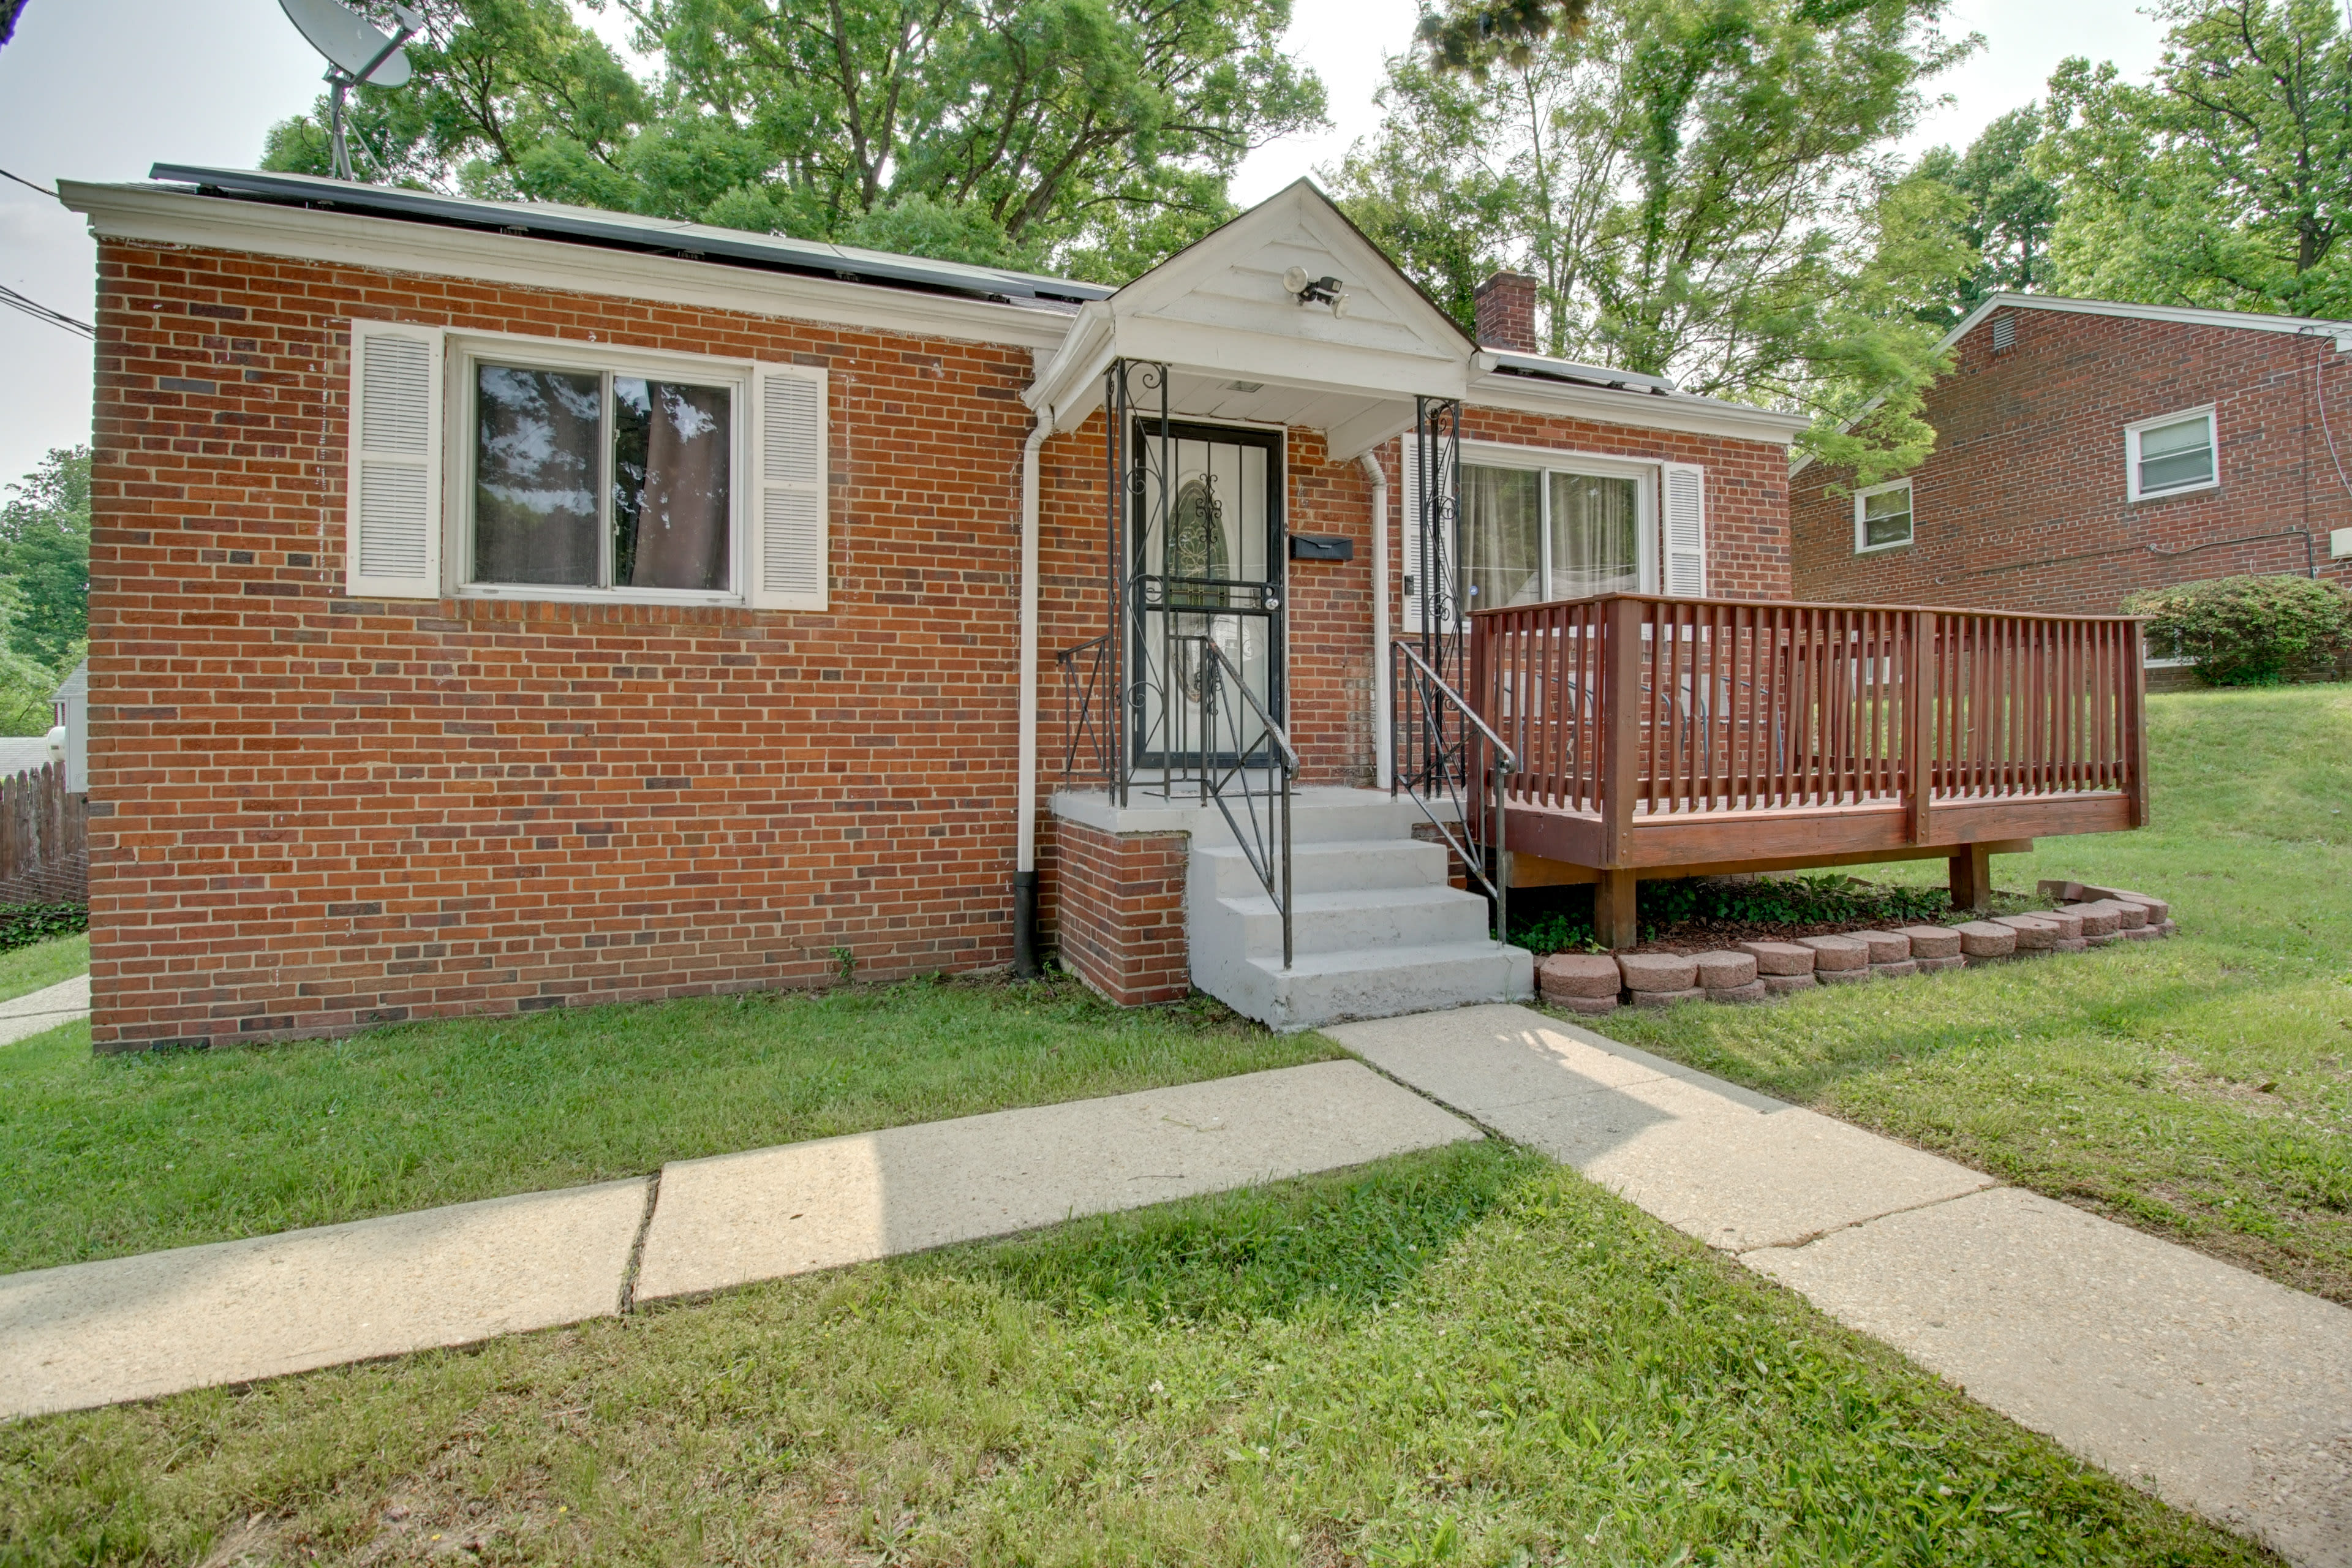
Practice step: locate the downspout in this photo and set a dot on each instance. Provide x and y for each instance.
(1024, 851)
(1380, 477)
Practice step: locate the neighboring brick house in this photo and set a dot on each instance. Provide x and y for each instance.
(498, 606)
(2087, 449)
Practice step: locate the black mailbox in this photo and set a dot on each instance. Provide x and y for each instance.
(1321, 547)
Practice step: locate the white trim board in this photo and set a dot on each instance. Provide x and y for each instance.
(155, 215)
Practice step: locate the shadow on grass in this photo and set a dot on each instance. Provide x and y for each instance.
(1343, 1242)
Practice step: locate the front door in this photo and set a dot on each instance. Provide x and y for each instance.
(1208, 534)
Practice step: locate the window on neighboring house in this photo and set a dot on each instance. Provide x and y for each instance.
(2164, 457)
(581, 471)
(1882, 517)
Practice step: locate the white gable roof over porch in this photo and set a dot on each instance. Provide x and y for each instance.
(1240, 345)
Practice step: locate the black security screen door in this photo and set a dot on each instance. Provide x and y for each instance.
(1207, 532)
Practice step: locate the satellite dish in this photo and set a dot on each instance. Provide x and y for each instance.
(352, 43)
(356, 52)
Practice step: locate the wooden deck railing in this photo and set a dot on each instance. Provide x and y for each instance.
(1656, 732)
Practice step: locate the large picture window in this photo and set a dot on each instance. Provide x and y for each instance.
(1533, 533)
(2169, 454)
(601, 480)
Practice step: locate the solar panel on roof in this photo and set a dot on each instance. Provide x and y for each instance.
(630, 231)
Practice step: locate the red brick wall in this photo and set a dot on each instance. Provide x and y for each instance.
(309, 814)
(2022, 506)
(1121, 912)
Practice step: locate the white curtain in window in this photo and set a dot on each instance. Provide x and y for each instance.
(1502, 537)
(1596, 535)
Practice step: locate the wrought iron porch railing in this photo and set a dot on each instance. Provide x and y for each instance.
(1444, 752)
(1218, 744)
(1263, 830)
(1085, 723)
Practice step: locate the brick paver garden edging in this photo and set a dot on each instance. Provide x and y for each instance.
(1596, 983)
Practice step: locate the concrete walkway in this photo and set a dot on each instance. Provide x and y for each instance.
(2212, 1387)
(132, 1327)
(37, 1012)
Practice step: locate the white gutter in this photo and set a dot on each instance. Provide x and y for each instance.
(1024, 840)
(1380, 477)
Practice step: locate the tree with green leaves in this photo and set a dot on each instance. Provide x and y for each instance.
(2226, 180)
(1092, 135)
(45, 553)
(2011, 212)
(44, 587)
(1705, 189)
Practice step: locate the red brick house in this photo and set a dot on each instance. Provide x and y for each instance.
(2087, 449)
(498, 608)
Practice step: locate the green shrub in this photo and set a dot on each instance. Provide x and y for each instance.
(1551, 921)
(22, 925)
(2251, 631)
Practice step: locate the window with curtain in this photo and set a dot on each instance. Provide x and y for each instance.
(1530, 534)
(587, 478)
(1502, 537)
(1596, 535)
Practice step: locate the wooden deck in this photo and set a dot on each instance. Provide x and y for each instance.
(1663, 737)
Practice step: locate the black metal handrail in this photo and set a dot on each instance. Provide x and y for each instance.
(1436, 739)
(1265, 842)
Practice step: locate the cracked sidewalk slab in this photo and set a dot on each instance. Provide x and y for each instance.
(133, 1327)
(2212, 1387)
(1730, 1167)
(735, 1218)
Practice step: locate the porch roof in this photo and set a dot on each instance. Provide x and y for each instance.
(1240, 343)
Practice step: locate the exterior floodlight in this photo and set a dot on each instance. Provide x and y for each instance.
(1316, 290)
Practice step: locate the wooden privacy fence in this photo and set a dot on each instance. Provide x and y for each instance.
(44, 839)
(1680, 733)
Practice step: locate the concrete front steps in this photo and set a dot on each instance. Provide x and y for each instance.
(1377, 932)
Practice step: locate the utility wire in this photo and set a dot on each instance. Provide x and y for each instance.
(29, 185)
(40, 312)
(34, 307)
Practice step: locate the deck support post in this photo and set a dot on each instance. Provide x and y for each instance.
(1612, 910)
(1971, 876)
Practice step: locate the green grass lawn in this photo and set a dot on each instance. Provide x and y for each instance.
(28, 969)
(116, 1154)
(2200, 1088)
(1466, 1357)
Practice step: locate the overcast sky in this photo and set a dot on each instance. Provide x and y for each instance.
(98, 89)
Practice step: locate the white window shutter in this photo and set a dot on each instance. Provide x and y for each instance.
(393, 542)
(1682, 505)
(789, 496)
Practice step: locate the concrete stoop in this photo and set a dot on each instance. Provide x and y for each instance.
(1376, 930)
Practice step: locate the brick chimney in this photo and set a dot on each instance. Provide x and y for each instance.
(1506, 312)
